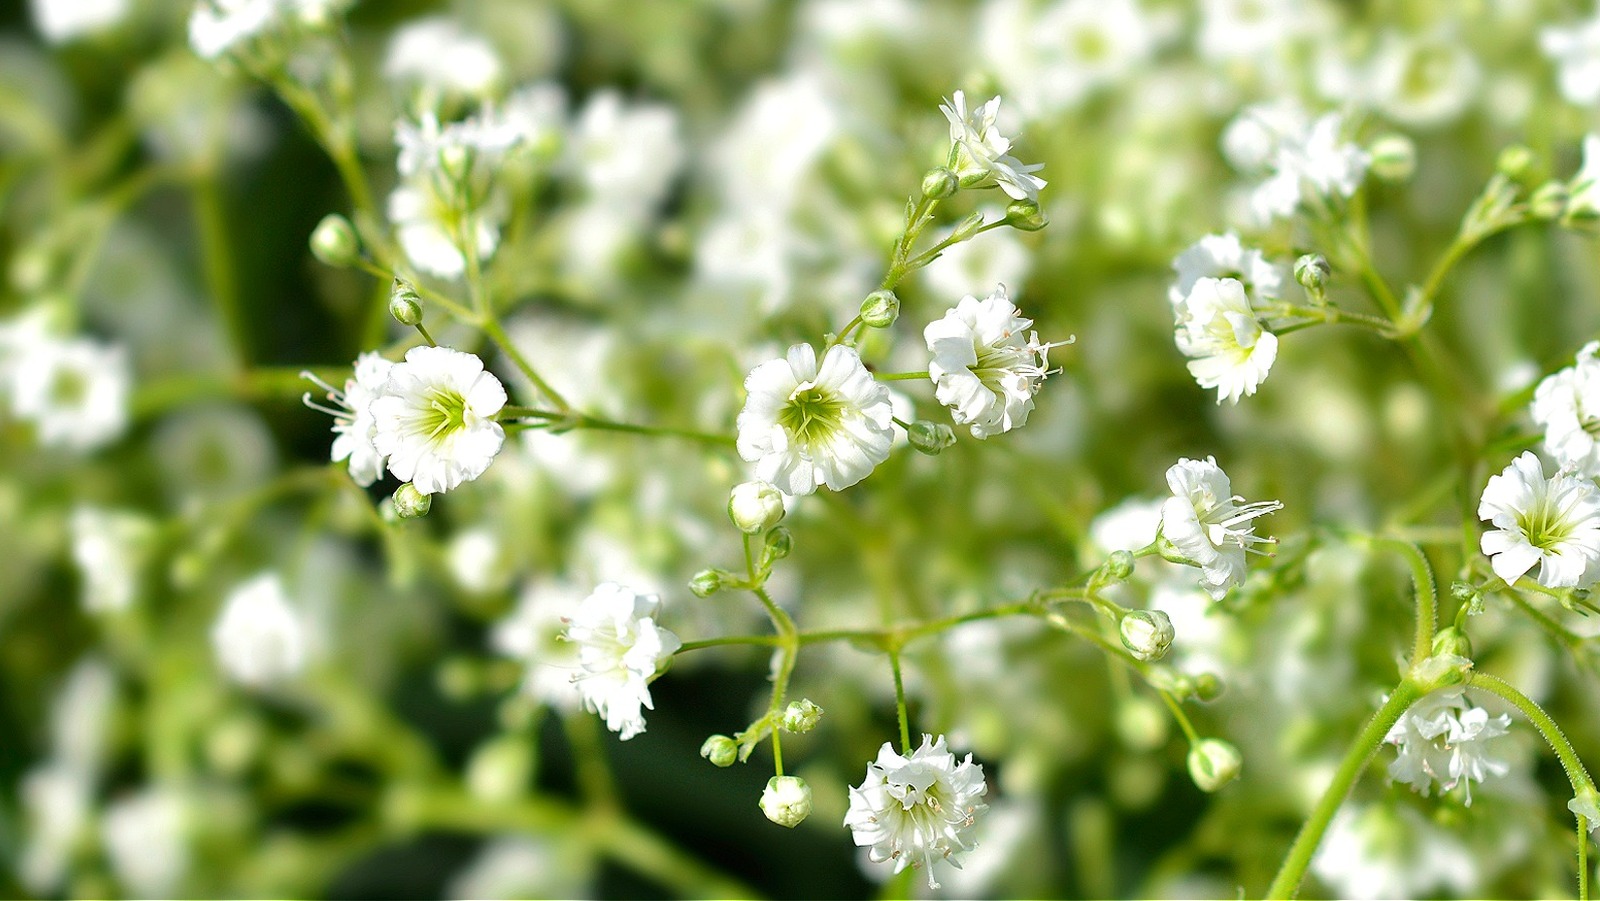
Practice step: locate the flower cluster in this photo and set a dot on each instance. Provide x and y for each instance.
(917, 809)
(1209, 525)
(620, 651)
(1445, 739)
(1215, 298)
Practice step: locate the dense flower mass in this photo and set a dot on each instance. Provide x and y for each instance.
(620, 650)
(986, 365)
(1552, 523)
(918, 809)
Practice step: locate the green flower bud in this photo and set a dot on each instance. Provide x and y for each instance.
(1147, 633)
(404, 304)
(755, 507)
(1312, 271)
(801, 716)
(1118, 567)
(1394, 158)
(1025, 215)
(930, 437)
(779, 544)
(1514, 161)
(720, 750)
(334, 241)
(1213, 763)
(409, 503)
(786, 800)
(499, 770)
(1452, 642)
(459, 678)
(939, 183)
(880, 309)
(706, 583)
(1207, 687)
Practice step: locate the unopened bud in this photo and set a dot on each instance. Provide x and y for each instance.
(720, 750)
(930, 437)
(1312, 271)
(1514, 161)
(1213, 763)
(706, 583)
(1452, 642)
(779, 544)
(334, 241)
(755, 506)
(1025, 215)
(880, 309)
(1118, 567)
(499, 770)
(404, 304)
(1207, 687)
(1147, 633)
(409, 503)
(939, 183)
(786, 800)
(801, 716)
(1394, 158)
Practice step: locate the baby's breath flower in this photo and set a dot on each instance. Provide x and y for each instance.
(1444, 738)
(259, 638)
(64, 21)
(917, 810)
(1576, 52)
(75, 392)
(620, 650)
(1567, 405)
(442, 60)
(982, 153)
(982, 368)
(435, 418)
(109, 548)
(353, 425)
(1222, 256)
(805, 425)
(1307, 162)
(1553, 523)
(217, 27)
(1229, 349)
(1210, 525)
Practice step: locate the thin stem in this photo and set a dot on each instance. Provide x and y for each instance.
(902, 376)
(900, 712)
(1182, 718)
(1583, 858)
(1553, 736)
(571, 419)
(217, 259)
(769, 640)
(425, 336)
(1287, 883)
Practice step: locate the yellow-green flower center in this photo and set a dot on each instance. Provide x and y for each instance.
(447, 412)
(811, 415)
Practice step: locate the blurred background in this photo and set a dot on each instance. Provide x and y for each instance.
(723, 178)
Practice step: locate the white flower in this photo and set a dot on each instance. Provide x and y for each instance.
(63, 21)
(447, 188)
(1444, 738)
(534, 635)
(424, 221)
(353, 424)
(56, 797)
(917, 811)
(435, 418)
(981, 152)
(109, 548)
(1554, 523)
(144, 835)
(1218, 330)
(442, 59)
(1567, 405)
(1251, 139)
(1244, 30)
(1308, 164)
(222, 26)
(1053, 56)
(620, 650)
(982, 368)
(1576, 53)
(1583, 192)
(805, 425)
(1210, 525)
(75, 392)
(1423, 81)
(1386, 850)
(259, 638)
(627, 154)
(1222, 256)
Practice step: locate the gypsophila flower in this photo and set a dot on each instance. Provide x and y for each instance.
(1576, 52)
(1567, 406)
(75, 392)
(982, 368)
(917, 810)
(1583, 191)
(63, 21)
(1446, 739)
(1210, 525)
(447, 190)
(533, 635)
(980, 153)
(260, 639)
(805, 425)
(145, 837)
(56, 798)
(1307, 163)
(1218, 329)
(442, 60)
(620, 650)
(1222, 256)
(1553, 523)
(435, 418)
(353, 425)
(109, 548)
(217, 27)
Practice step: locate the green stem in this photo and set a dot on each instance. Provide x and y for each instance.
(217, 259)
(1366, 744)
(1182, 718)
(1553, 736)
(902, 376)
(900, 711)
(768, 640)
(571, 419)
(491, 327)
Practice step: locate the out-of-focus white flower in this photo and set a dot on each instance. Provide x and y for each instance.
(534, 635)
(1252, 137)
(1209, 524)
(1444, 738)
(983, 368)
(525, 866)
(1227, 346)
(917, 810)
(425, 223)
(55, 799)
(626, 153)
(620, 650)
(982, 153)
(353, 425)
(447, 189)
(1576, 52)
(260, 639)
(1246, 30)
(1386, 850)
(1222, 256)
(1567, 405)
(442, 59)
(109, 548)
(805, 425)
(1001, 258)
(81, 715)
(64, 21)
(1583, 191)
(1307, 163)
(435, 418)
(537, 113)
(1551, 523)
(1129, 526)
(477, 560)
(217, 27)
(1423, 81)
(145, 837)
(1052, 57)
(75, 392)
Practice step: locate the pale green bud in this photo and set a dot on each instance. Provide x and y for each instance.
(1312, 271)
(1452, 642)
(880, 309)
(409, 503)
(1394, 158)
(786, 800)
(755, 507)
(779, 544)
(1141, 723)
(801, 716)
(1207, 687)
(1147, 633)
(459, 678)
(1214, 763)
(404, 304)
(930, 437)
(1025, 215)
(939, 183)
(706, 583)
(1514, 160)
(334, 241)
(1548, 201)
(1118, 567)
(720, 750)
(499, 770)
